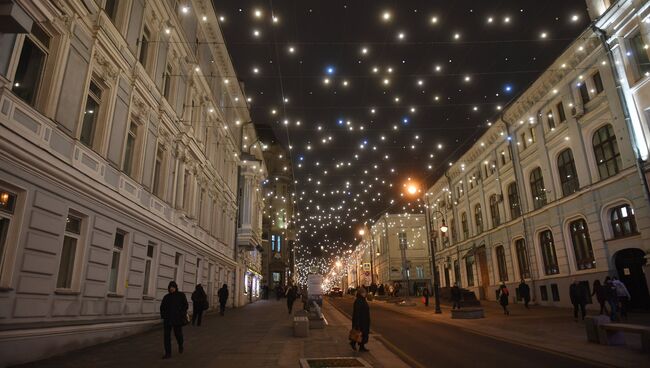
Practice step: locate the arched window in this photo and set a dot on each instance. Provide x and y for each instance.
(463, 220)
(522, 258)
(548, 253)
(513, 201)
(501, 263)
(584, 253)
(478, 216)
(537, 188)
(623, 221)
(494, 210)
(608, 158)
(567, 169)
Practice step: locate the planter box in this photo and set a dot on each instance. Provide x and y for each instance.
(343, 362)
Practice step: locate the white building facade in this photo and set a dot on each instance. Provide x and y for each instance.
(553, 191)
(121, 127)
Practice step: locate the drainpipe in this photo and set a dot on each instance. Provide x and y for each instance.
(602, 36)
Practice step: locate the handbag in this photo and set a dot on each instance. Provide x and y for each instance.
(355, 335)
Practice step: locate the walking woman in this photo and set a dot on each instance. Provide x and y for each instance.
(601, 295)
(361, 319)
(199, 304)
(223, 298)
(503, 298)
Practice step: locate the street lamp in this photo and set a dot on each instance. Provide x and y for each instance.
(362, 232)
(412, 189)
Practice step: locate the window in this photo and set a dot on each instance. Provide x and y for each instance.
(167, 82)
(144, 46)
(548, 253)
(148, 264)
(7, 207)
(623, 221)
(640, 55)
(457, 272)
(531, 131)
(197, 279)
(608, 158)
(598, 83)
(522, 258)
(469, 268)
(501, 263)
(157, 171)
(110, 8)
(71, 240)
(463, 220)
(403, 241)
(276, 243)
(550, 120)
(478, 216)
(537, 188)
(543, 291)
(419, 271)
(90, 114)
(555, 291)
(567, 170)
(513, 200)
(31, 65)
(560, 112)
(494, 210)
(584, 92)
(186, 191)
(504, 158)
(523, 140)
(129, 151)
(118, 248)
(178, 262)
(584, 253)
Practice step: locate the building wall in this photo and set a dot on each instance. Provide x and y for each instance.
(161, 168)
(532, 133)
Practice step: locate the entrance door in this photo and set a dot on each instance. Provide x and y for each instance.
(485, 275)
(629, 264)
(446, 276)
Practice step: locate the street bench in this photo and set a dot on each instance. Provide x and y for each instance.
(612, 334)
(467, 313)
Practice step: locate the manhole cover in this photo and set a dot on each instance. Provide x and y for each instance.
(333, 362)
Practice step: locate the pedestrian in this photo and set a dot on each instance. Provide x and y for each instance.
(199, 304)
(425, 293)
(291, 297)
(391, 290)
(622, 295)
(278, 292)
(524, 292)
(381, 289)
(601, 296)
(578, 299)
(222, 294)
(361, 319)
(455, 296)
(173, 311)
(503, 295)
(612, 299)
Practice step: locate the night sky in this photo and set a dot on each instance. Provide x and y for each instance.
(369, 93)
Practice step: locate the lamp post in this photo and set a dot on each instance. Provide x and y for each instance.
(362, 232)
(412, 189)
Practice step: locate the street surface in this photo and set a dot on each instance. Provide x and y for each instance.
(434, 344)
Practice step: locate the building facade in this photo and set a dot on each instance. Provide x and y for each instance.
(279, 226)
(553, 190)
(121, 127)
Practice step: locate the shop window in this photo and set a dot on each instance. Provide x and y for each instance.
(582, 248)
(608, 157)
(567, 170)
(623, 221)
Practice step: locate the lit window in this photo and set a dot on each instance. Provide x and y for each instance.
(501, 263)
(623, 221)
(584, 253)
(31, 65)
(537, 188)
(548, 253)
(608, 157)
(71, 240)
(90, 115)
(118, 248)
(522, 258)
(568, 174)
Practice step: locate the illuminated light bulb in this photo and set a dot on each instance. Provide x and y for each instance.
(490, 20)
(467, 78)
(401, 35)
(185, 9)
(420, 82)
(434, 20)
(506, 20)
(375, 70)
(438, 68)
(275, 19)
(345, 83)
(197, 69)
(436, 98)
(222, 19)
(543, 35)
(364, 50)
(326, 81)
(168, 30)
(456, 36)
(386, 81)
(258, 13)
(574, 18)
(256, 70)
(256, 33)
(386, 16)
(291, 49)
(204, 18)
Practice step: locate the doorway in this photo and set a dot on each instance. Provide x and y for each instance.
(629, 265)
(485, 275)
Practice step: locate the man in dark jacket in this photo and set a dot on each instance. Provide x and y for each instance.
(173, 311)
(199, 304)
(578, 299)
(291, 297)
(455, 296)
(361, 319)
(223, 298)
(524, 292)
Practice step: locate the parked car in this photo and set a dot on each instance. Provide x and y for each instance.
(335, 291)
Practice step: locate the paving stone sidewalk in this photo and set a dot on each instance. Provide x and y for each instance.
(257, 335)
(547, 328)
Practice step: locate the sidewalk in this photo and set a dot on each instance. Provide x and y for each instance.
(545, 328)
(257, 335)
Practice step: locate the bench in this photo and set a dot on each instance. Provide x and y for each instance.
(612, 334)
(300, 326)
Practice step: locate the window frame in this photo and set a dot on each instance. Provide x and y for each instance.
(464, 225)
(637, 49)
(601, 147)
(621, 220)
(78, 261)
(513, 201)
(548, 252)
(597, 80)
(561, 113)
(120, 273)
(583, 251)
(478, 218)
(537, 188)
(402, 240)
(149, 283)
(522, 258)
(12, 235)
(502, 266)
(38, 100)
(494, 210)
(566, 167)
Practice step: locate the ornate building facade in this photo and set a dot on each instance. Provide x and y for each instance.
(121, 132)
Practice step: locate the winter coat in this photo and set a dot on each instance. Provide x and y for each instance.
(291, 293)
(223, 295)
(503, 295)
(173, 308)
(600, 292)
(524, 291)
(577, 294)
(200, 299)
(621, 290)
(361, 315)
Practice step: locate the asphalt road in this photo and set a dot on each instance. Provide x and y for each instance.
(435, 344)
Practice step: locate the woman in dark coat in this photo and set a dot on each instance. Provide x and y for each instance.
(223, 298)
(173, 311)
(524, 292)
(503, 298)
(361, 319)
(199, 304)
(292, 294)
(601, 295)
